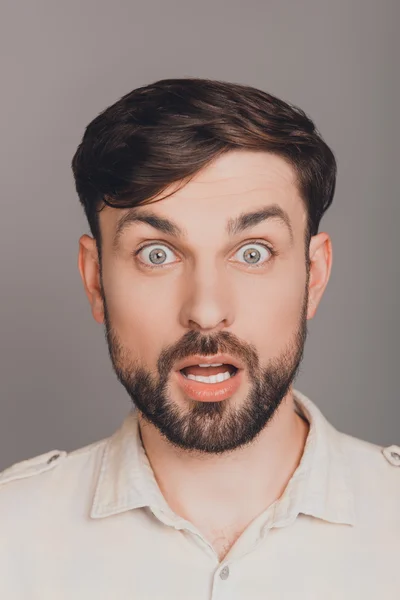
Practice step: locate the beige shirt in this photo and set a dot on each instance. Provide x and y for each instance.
(92, 524)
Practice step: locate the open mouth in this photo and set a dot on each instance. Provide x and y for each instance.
(209, 382)
(214, 373)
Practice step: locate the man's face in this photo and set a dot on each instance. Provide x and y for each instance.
(206, 293)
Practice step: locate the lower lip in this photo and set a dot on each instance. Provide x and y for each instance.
(209, 392)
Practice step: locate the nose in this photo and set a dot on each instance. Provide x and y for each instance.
(207, 302)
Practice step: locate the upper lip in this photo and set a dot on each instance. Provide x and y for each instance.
(197, 359)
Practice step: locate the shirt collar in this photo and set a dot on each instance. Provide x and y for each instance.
(320, 486)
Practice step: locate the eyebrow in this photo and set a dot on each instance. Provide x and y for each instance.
(234, 225)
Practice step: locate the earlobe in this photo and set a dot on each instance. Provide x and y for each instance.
(320, 269)
(88, 265)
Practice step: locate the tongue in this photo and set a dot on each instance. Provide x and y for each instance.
(207, 371)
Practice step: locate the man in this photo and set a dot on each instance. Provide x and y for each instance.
(204, 200)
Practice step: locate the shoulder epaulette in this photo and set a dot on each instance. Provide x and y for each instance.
(392, 455)
(33, 466)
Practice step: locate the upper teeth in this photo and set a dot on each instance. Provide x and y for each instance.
(213, 379)
(213, 365)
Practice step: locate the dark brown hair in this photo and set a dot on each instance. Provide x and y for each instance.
(166, 132)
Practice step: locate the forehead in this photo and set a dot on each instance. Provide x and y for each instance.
(240, 171)
(232, 183)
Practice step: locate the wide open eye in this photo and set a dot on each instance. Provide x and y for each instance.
(255, 253)
(154, 255)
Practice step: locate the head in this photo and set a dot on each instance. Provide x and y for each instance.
(204, 200)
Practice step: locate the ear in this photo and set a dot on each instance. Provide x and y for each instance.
(320, 252)
(89, 268)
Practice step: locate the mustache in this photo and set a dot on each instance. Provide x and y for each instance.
(193, 342)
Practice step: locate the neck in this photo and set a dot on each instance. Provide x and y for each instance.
(235, 487)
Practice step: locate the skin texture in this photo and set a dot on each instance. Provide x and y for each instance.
(218, 464)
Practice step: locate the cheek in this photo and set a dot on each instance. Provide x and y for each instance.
(140, 310)
(270, 307)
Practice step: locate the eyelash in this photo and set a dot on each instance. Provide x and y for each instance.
(268, 247)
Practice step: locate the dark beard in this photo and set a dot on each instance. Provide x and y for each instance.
(209, 427)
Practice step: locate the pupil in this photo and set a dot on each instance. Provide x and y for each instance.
(253, 254)
(158, 254)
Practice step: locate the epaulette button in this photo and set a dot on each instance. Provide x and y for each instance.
(54, 457)
(392, 455)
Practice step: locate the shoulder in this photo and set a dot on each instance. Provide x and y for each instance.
(45, 494)
(47, 474)
(367, 458)
(33, 466)
(364, 454)
(374, 477)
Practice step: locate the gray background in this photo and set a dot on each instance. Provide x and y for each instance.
(64, 62)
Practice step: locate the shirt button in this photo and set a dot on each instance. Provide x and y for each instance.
(224, 573)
